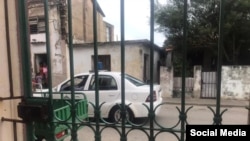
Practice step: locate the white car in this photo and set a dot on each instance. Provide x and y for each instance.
(137, 93)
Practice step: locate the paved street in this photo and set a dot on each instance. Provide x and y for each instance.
(208, 102)
(169, 116)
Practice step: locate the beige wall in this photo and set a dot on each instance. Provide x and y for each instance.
(8, 107)
(88, 22)
(82, 20)
(101, 31)
(78, 7)
(134, 57)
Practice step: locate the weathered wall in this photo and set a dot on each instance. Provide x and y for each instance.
(82, 20)
(134, 57)
(78, 9)
(235, 82)
(8, 108)
(88, 21)
(133, 65)
(197, 82)
(57, 47)
(82, 28)
(166, 81)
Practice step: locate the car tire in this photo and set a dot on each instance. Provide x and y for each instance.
(115, 114)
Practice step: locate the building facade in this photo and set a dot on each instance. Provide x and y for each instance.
(137, 58)
(82, 28)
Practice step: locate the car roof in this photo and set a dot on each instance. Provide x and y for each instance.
(100, 72)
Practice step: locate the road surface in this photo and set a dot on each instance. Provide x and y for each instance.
(168, 118)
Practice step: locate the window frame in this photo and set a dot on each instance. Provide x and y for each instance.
(103, 78)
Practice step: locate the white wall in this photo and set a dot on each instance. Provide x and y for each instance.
(197, 81)
(235, 82)
(166, 81)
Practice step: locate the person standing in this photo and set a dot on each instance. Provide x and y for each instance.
(42, 76)
(45, 74)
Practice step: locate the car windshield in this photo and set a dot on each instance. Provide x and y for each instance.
(134, 80)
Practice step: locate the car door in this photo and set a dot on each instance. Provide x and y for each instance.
(108, 93)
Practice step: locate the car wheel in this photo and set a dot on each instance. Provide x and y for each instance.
(115, 114)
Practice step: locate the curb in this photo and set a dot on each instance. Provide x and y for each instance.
(208, 102)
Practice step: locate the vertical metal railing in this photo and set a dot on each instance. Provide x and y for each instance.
(123, 110)
(97, 111)
(71, 57)
(151, 108)
(183, 115)
(48, 51)
(25, 61)
(217, 116)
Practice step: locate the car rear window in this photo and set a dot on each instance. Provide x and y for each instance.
(134, 80)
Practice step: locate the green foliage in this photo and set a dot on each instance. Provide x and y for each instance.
(203, 26)
(177, 62)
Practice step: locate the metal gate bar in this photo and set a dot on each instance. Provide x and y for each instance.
(96, 108)
(73, 106)
(218, 118)
(183, 115)
(123, 110)
(25, 59)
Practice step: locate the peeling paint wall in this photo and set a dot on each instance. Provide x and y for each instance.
(235, 82)
(166, 81)
(82, 28)
(57, 46)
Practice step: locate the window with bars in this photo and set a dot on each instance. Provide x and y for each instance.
(37, 25)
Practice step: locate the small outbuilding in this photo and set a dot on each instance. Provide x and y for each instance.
(137, 58)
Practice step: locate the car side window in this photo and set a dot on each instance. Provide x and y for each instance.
(105, 83)
(79, 83)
